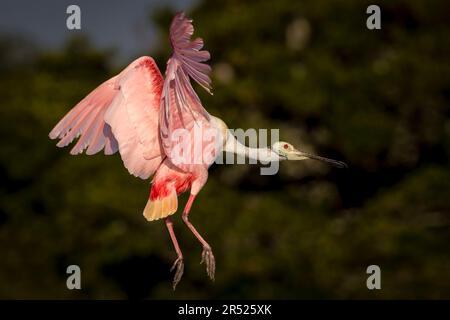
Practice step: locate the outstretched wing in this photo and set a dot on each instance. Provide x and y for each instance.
(121, 114)
(180, 106)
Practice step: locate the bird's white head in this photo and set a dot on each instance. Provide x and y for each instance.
(287, 152)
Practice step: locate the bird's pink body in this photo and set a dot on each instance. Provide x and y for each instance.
(135, 112)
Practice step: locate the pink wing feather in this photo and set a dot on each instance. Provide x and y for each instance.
(121, 114)
(180, 106)
(85, 120)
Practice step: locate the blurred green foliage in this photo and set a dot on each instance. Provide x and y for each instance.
(378, 100)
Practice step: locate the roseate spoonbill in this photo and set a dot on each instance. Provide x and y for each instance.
(137, 111)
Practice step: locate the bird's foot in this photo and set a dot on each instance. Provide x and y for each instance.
(179, 266)
(208, 259)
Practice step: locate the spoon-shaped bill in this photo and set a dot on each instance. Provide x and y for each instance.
(299, 155)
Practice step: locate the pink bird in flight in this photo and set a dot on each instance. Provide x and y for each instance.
(137, 113)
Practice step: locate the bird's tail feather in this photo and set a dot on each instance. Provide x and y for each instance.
(161, 207)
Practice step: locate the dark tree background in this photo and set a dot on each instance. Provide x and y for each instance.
(378, 100)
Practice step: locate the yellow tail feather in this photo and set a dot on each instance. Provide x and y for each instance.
(161, 208)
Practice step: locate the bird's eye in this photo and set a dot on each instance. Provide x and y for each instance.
(286, 146)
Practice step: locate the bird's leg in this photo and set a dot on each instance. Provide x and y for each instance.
(207, 254)
(178, 264)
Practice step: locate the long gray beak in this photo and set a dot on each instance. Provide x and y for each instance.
(300, 155)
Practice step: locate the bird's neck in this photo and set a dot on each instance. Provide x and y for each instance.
(256, 154)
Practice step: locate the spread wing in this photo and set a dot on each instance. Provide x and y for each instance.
(121, 114)
(180, 106)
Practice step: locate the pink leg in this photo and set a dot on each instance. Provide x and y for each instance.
(207, 254)
(178, 264)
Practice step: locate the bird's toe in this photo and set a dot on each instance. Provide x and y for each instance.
(178, 266)
(210, 262)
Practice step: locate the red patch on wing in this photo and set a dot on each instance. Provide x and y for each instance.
(157, 80)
